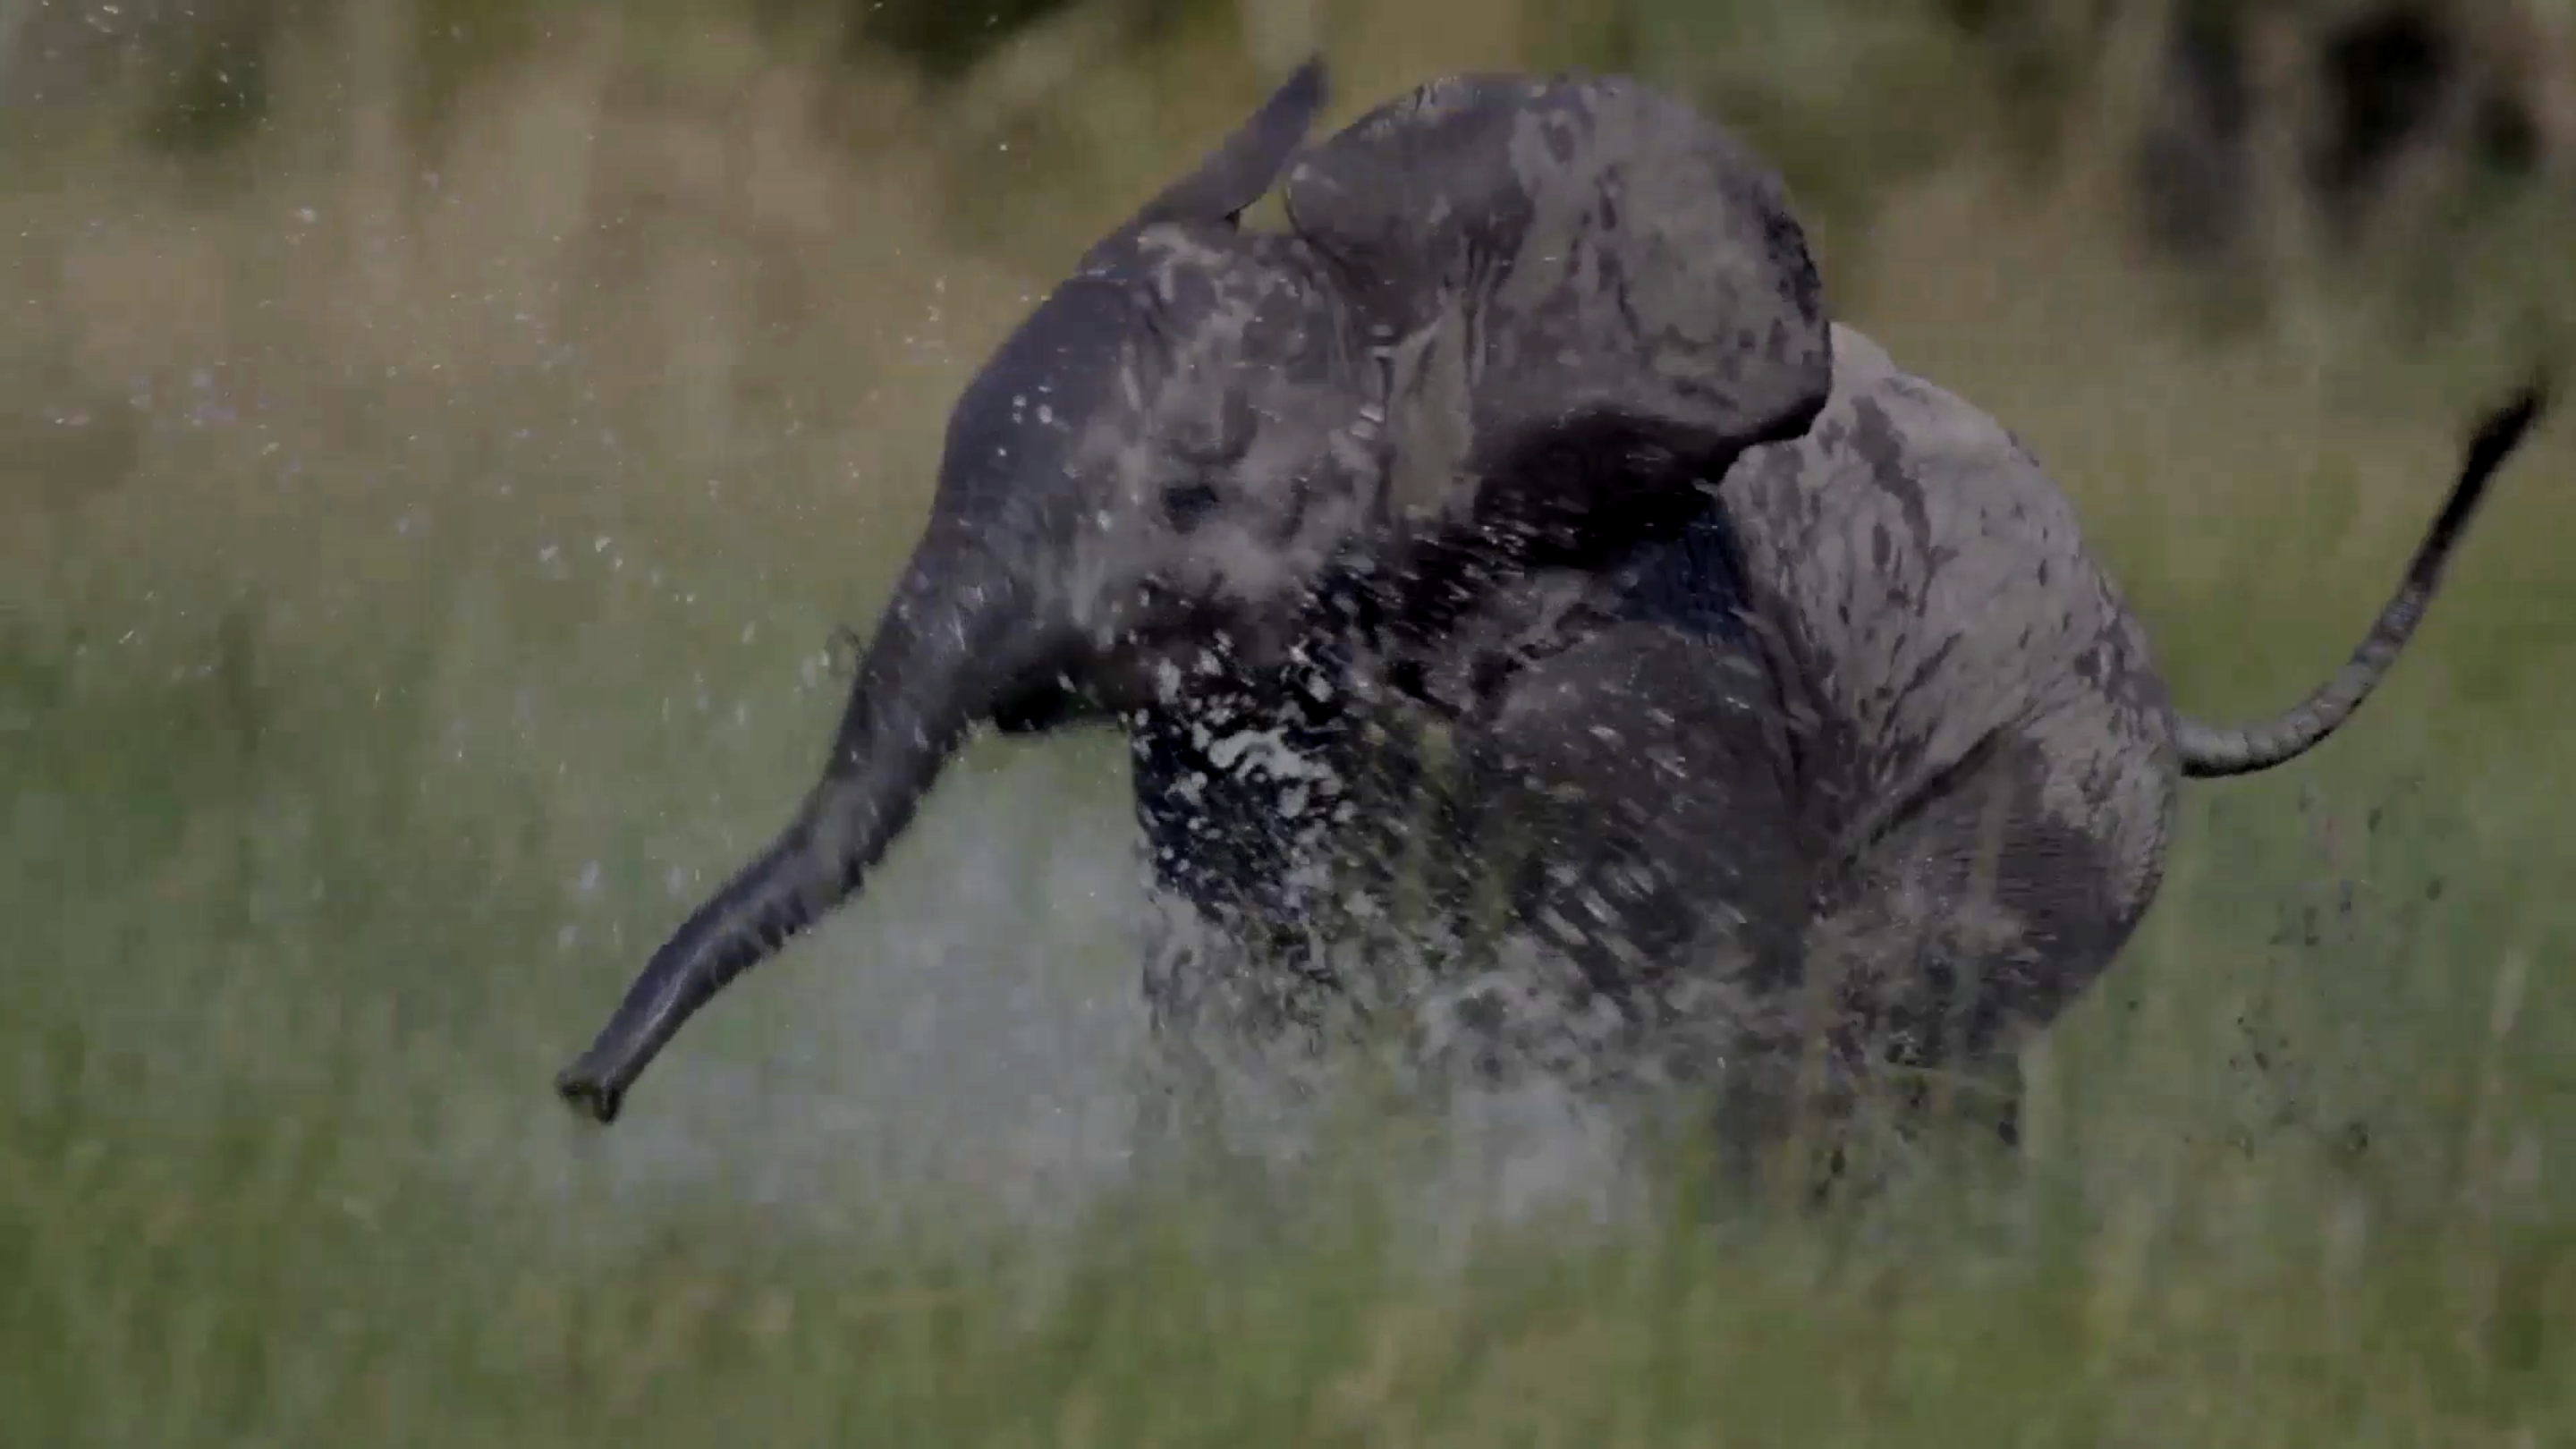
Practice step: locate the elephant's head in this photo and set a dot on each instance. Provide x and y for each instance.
(1510, 321)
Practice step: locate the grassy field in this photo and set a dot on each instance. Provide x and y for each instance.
(417, 581)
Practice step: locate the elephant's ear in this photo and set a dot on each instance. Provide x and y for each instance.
(1239, 171)
(1592, 297)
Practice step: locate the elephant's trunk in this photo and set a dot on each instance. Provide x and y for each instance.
(958, 635)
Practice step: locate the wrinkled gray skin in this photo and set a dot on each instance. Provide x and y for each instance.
(1514, 324)
(1783, 698)
(1892, 774)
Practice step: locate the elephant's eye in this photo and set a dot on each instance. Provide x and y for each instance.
(1187, 505)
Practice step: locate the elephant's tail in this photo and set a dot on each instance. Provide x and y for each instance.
(2210, 750)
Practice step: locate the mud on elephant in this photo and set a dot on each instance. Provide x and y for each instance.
(1787, 703)
(1216, 440)
(1869, 765)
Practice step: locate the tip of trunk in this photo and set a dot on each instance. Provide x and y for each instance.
(936, 666)
(592, 1087)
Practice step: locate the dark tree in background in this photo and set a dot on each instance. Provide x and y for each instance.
(943, 40)
(2374, 108)
(2334, 120)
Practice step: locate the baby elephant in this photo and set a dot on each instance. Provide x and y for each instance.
(1787, 701)
(1213, 446)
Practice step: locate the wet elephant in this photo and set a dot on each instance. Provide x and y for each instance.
(1210, 438)
(1788, 671)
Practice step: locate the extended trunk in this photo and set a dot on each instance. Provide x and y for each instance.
(955, 638)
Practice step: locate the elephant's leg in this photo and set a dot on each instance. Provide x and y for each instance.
(1991, 905)
(1633, 792)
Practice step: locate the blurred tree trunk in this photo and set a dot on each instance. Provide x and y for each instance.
(2283, 130)
(377, 181)
(2281, 115)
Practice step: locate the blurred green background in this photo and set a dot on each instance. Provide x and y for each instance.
(440, 438)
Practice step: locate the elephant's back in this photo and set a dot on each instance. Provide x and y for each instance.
(1933, 589)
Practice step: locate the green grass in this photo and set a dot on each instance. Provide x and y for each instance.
(359, 738)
